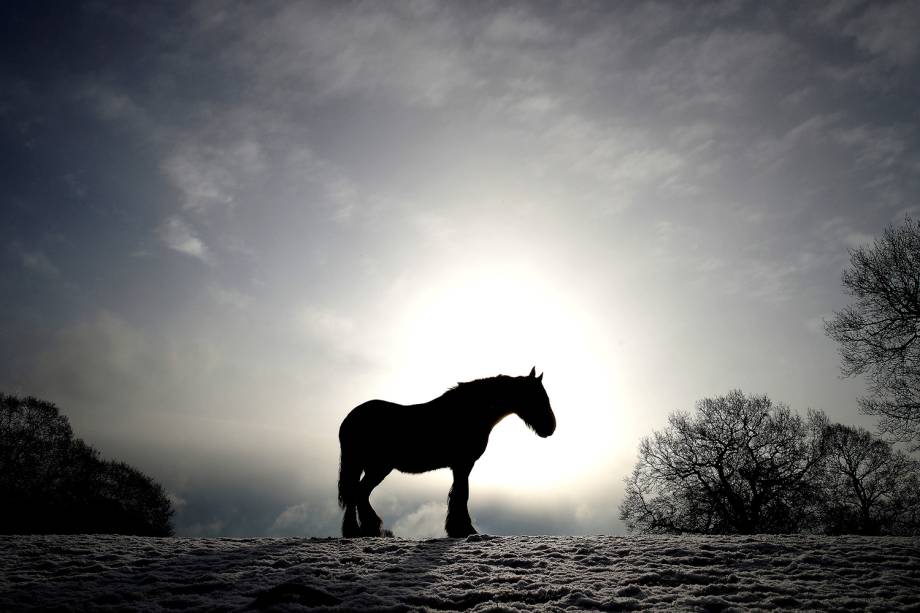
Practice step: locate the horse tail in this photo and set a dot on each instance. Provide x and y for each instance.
(349, 468)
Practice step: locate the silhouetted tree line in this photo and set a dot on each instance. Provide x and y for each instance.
(53, 483)
(744, 465)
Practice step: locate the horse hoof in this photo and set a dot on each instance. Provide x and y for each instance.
(372, 530)
(461, 533)
(351, 531)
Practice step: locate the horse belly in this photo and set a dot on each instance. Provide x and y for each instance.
(420, 458)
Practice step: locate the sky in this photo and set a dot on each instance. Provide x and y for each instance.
(225, 224)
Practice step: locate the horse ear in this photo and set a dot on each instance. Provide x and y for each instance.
(540, 378)
(533, 372)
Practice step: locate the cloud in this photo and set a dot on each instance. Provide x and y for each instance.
(212, 174)
(835, 235)
(434, 227)
(335, 335)
(427, 521)
(36, 262)
(112, 104)
(401, 52)
(770, 152)
(311, 518)
(178, 236)
(613, 160)
(325, 324)
(80, 362)
(231, 298)
(889, 30)
(340, 194)
(504, 515)
(878, 147)
(178, 502)
(518, 26)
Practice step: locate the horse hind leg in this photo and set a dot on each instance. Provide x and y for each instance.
(349, 494)
(371, 524)
(350, 527)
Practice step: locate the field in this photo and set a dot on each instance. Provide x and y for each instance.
(481, 573)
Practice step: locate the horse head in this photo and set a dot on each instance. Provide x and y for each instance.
(534, 408)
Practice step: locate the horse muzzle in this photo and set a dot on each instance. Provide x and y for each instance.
(543, 433)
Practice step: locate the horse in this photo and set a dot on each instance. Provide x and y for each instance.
(451, 431)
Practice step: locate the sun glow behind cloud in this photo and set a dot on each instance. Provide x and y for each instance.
(502, 313)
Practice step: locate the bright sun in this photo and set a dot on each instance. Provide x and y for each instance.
(485, 320)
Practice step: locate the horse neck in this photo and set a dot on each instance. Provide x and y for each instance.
(489, 400)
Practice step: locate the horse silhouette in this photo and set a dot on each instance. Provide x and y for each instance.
(451, 431)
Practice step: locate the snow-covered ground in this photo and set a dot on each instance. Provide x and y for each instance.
(481, 573)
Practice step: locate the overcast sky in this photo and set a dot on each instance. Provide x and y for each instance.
(225, 224)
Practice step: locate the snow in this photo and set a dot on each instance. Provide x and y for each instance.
(480, 573)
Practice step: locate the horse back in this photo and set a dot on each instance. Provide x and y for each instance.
(410, 438)
(365, 416)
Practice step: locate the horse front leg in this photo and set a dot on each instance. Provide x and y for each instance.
(458, 522)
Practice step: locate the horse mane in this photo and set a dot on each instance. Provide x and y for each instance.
(475, 387)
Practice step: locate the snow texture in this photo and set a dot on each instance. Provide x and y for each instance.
(480, 573)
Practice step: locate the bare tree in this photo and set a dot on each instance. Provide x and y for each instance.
(878, 333)
(867, 487)
(742, 464)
